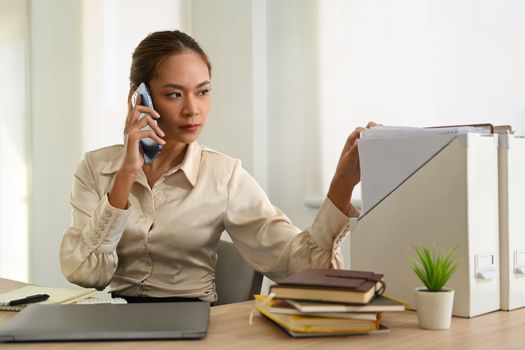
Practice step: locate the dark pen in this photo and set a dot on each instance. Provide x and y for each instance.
(29, 300)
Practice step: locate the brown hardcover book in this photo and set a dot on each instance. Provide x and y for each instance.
(340, 286)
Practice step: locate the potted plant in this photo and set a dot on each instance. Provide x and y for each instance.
(434, 302)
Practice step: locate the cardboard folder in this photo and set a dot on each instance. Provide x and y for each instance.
(511, 157)
(451, 199)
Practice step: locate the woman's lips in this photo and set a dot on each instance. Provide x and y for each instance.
(191, 128)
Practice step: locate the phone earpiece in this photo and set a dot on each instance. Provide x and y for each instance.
(134, 98)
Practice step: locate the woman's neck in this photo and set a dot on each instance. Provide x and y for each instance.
(172, 155)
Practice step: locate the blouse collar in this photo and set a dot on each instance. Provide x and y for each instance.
(189, 165)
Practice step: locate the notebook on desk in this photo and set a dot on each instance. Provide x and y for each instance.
(56, 296)
(41, 322)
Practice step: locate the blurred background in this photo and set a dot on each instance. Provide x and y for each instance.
(291, 79)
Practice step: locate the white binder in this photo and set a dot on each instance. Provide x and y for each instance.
(511, 212)
(451, 199)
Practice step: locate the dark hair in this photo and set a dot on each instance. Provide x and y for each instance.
(156, 47)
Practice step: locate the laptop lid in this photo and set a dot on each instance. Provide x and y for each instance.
(181, 320)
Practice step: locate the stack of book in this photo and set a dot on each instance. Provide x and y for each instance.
(321, 302)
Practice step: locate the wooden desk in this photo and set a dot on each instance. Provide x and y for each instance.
(229, 329)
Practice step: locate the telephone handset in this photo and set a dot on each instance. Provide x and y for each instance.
(150, 147)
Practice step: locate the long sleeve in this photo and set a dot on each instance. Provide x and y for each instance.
(267, 239)
(88, 251)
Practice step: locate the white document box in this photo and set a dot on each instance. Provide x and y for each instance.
(512, 226)
(451, 199)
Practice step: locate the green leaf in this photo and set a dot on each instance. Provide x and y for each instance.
(434, 270)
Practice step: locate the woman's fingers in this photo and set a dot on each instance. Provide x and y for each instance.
(134, 137)
(352, 138)
(153, 135)
(156, 128)
(131, 114)
(357, 134)
(143, 109)
(147, 120)
(138, 126)
(136, 112)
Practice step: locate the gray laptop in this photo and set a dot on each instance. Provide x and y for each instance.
(182, 320)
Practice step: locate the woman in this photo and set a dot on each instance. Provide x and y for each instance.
(151, 230)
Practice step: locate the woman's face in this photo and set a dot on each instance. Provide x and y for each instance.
(181, 94)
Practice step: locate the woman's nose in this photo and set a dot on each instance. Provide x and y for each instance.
(190, 107)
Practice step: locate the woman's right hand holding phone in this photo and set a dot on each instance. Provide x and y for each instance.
(133, 158)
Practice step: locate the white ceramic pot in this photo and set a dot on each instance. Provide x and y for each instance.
(434, 309)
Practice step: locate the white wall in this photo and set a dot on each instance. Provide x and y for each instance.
(14, 152)
(56, 63)
(420, 63)
(293, 107)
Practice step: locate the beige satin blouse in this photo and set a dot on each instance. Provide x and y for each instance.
(164, 244)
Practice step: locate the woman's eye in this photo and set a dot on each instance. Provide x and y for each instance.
(204, 92)
(175, 95)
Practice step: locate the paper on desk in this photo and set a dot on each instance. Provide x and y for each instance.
(102, 297)
(56, 295)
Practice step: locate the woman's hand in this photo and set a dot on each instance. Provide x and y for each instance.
(133, 158)
(347, 174)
